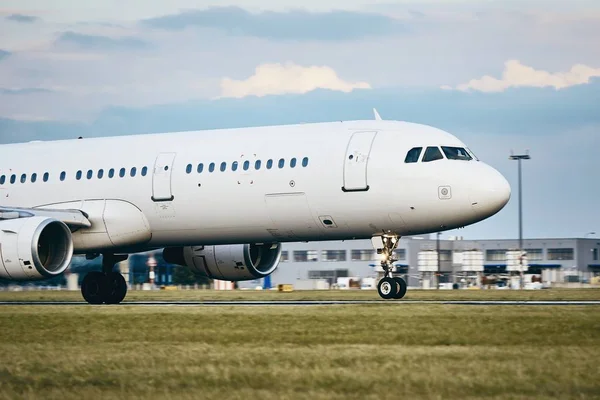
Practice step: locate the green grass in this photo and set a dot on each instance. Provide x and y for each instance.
(375, 351)
(198, 295)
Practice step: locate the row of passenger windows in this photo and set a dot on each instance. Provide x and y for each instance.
(433, 153)
(246, 165)
(111, 173)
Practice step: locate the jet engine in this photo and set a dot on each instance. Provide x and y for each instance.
(234, 262)
(34, 248)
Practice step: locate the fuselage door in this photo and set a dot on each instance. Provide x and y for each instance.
(356, 161)
(161, 177)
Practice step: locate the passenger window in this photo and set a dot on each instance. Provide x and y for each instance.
(293, 162)
(234, 166)
(78, 175)
(100, 173)
(257, 165)
(133, 172)
(188, 169)
(246, 165)
(223, 166)
(33, 178)
(13, 179)
(23, 178)
(122, 172)
(211, 167)
(456, 153)
(200, 168)
(413, 155)
(281, 163)
(46, 176)
(2, 179)
(111, 173)
(432, 154)
(305, 162)
(144, 171)
(63, 175)
(269, 164)
(90, 174)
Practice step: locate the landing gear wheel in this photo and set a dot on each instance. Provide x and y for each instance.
(401, 288)
(93, 287)
(116, 288)
(387, 288)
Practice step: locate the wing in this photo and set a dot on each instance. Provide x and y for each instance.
(73, 218)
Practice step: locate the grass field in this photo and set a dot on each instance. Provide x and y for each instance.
(412, 294)
(374, 351)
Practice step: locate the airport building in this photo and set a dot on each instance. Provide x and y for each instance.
(320, 265)
(555, 260)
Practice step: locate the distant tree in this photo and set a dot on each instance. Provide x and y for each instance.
(56, 281)
(185, 276)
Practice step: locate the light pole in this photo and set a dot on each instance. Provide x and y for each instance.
(438, 260)
(520, 157)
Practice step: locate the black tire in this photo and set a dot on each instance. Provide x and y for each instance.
(93, 287)
(116, 288)
(387, 288)
(401, 288)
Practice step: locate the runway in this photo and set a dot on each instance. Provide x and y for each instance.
(305, 303)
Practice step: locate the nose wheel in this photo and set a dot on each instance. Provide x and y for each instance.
(389, 287)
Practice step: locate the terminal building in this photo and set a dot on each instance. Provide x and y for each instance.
(319, 265)
(555, 260)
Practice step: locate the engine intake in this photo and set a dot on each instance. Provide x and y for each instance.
(34, 248)
(235, 262)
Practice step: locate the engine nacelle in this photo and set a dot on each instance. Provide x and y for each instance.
(34, 248)
(234, 262)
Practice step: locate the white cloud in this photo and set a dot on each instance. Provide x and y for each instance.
(271, 79)
(516, 74)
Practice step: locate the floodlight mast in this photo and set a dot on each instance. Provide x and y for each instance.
(520, 157)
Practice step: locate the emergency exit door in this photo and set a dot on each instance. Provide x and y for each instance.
(357, 161)
(161, 177)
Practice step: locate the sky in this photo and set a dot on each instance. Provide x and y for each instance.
(502, 75)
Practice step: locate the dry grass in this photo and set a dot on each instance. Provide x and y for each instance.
(380, 351)
(412, 294)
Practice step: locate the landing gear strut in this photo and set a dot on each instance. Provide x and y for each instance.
(389, 287)
(107, 286)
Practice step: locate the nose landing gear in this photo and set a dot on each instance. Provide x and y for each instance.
(107, 286)
(389, 287)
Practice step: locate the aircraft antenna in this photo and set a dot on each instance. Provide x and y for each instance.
(377, 116)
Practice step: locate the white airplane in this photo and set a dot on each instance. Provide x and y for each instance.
(221, 202)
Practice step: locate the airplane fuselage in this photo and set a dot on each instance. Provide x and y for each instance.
(330, 181)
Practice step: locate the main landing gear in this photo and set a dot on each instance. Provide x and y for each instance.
(389, 287)
(108, 286)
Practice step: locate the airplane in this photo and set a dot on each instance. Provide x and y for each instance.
(221, 202)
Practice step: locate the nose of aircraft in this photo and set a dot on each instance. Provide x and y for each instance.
(490, 192)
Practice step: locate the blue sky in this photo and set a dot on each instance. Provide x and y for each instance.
(501, 75)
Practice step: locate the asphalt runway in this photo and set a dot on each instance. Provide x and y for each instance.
(305, 303)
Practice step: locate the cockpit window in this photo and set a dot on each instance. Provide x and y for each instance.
(432, 154)
(472, 154)
(456, 153)
(413, 155)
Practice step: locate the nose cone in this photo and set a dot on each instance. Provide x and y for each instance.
(489, 193)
